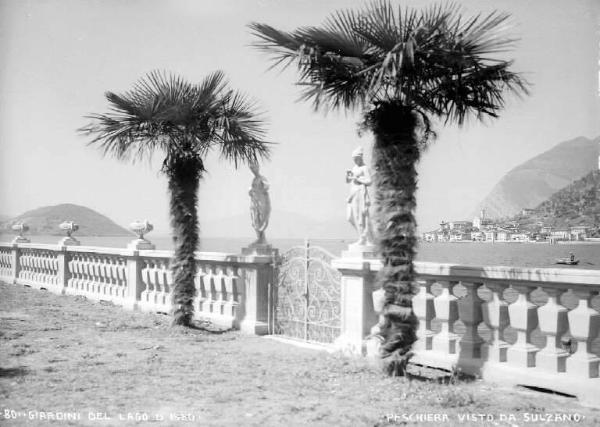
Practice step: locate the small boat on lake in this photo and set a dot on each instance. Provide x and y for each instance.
(567, 261)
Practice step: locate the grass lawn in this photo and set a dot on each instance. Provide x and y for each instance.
(64, 356)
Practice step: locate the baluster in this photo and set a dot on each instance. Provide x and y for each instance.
(156, 288)
(168, 280)
(199, 285)
(208, 287)
(469, 311)
(44, 267)
(584, 322)
(72, 278)
(87, 273)
(235, 289)
(103, 288)
(36, 268)
(228, 300)
(423, 306)
(553, 323)
(96, 277)
(122, 278)
(48, 268)
(219, 292)
(495, 316)
(55, 270)
(155, 293)
(523, 318)
(145, 295)
(22, 261)
(111, 277)
(446, 311)
(81, 272)
(163, 295)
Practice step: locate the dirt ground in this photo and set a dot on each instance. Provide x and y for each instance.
(85, 363)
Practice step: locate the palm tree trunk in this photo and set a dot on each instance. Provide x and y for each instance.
(395, 155)
(184, 176)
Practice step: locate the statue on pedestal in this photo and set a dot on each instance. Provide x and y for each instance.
(260, 205)
(358, 201)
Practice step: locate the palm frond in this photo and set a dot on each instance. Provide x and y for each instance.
(434, 59)
(240, 130)
(163, 112)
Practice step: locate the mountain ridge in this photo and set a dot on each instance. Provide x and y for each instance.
(537, 179)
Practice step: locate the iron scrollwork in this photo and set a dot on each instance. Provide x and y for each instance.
(308, 305)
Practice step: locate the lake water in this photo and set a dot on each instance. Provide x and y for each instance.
(509, 254)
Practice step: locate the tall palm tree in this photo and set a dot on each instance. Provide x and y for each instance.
(401, 68)
(184, 121)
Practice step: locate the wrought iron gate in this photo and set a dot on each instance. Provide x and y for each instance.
(306, 300)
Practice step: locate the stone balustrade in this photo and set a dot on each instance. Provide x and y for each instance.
(232, 290)
(529, 326)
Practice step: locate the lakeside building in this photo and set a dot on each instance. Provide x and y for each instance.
(483, 229)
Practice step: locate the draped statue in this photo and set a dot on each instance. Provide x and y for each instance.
(260, 204)
(358, 201)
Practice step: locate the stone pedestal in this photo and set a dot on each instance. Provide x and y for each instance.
(357, 312)
(68, 241)
(355, 250)
(260, 249)
(140, 245)
(20, 239)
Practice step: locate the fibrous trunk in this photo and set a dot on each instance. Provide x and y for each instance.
(395, 155)
(184, 177)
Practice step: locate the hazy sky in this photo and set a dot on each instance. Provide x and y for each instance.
(58, 57)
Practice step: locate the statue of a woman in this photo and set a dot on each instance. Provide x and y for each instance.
(358, 201)
(260, 204)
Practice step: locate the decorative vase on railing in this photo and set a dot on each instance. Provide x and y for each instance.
(140, 228)
(70, 227)
(20, 228)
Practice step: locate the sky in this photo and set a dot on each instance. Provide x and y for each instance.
(59, 57)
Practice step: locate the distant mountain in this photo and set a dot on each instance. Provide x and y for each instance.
(576, 204)
(534, 181)
(281, 225)
(46, 220)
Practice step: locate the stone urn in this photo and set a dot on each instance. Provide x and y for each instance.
(20, 228)
(140, 228)
(69, 227)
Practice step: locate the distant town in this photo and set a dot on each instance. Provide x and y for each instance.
(483, 229)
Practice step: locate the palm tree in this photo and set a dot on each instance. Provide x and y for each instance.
(401, 68)
(184, 121)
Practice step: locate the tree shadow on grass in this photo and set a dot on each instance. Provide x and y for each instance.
(13, 372)
(202, 327)
(440, 376)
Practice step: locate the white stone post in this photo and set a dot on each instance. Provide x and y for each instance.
(523, 318)
(15, 262)
(135, 284)
(495, 316)
(63, 258)
(257, 274)
(357, 313)
(446, 311)
(584, 322)
(553, 323)
(423, 306)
